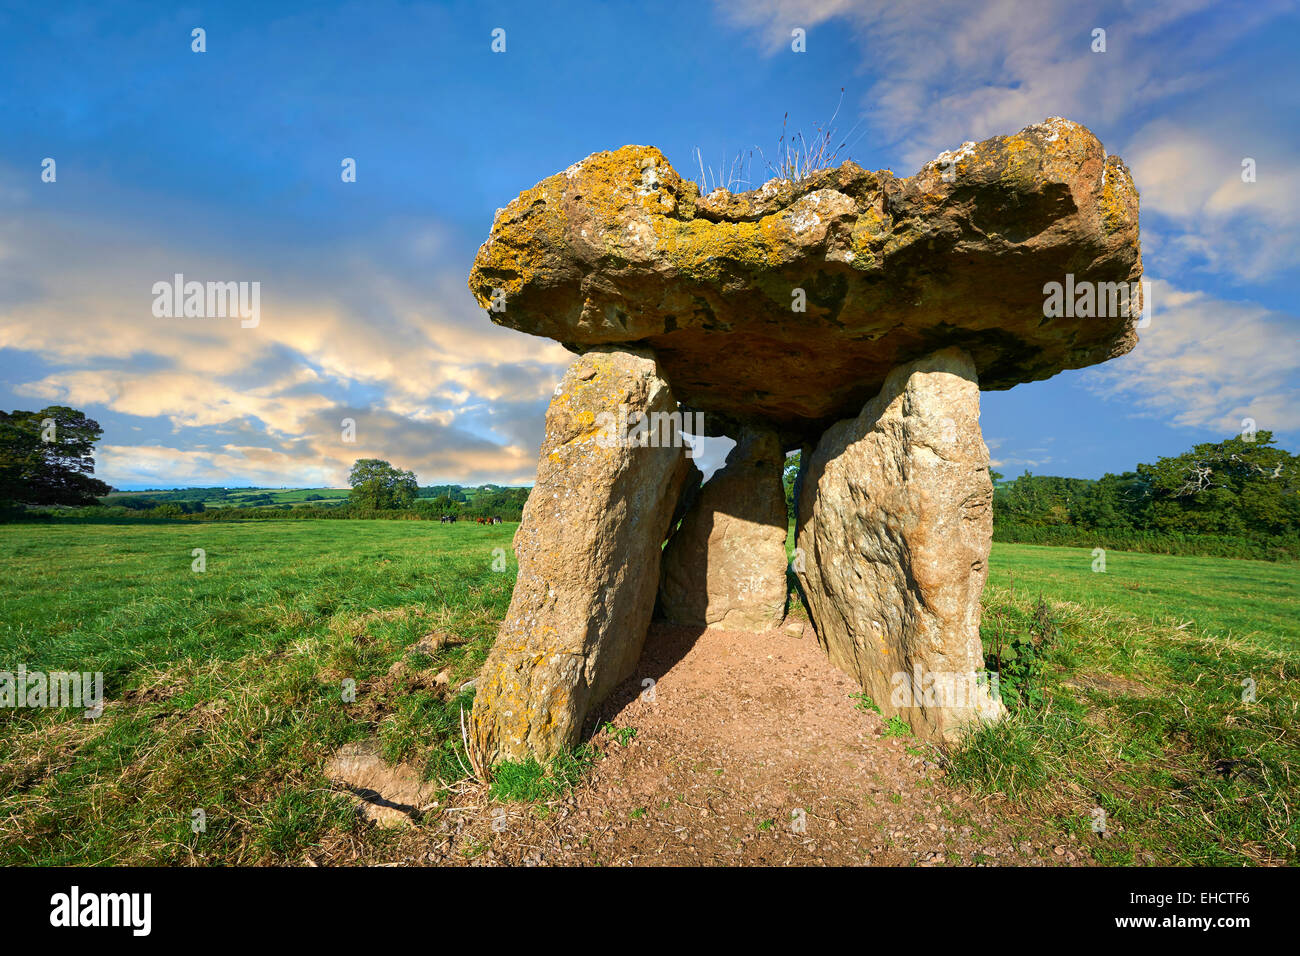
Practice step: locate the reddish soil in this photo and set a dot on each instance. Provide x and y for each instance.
(752, 752)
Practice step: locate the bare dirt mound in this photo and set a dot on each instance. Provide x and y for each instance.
(751, 750)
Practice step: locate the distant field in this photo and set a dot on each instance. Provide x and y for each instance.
(244, 497)
(297, 496)
(224, 687)
(1256, 601)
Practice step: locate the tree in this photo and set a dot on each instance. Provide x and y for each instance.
(1107, 503)
(504, 503)
(377, 485)
(1236, 487)
(443, 505)
(1229, 487)
(48, 457)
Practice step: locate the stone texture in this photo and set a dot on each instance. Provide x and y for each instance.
(389, 795)
(589, 549)
(620, 249)
(725, 566)
(853, 313)
(895, 524)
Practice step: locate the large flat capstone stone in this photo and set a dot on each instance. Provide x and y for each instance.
(790, 304)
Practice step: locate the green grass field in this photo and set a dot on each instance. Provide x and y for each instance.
(243, 498)
(1254, 601)
(1134, 703)
(224, 687)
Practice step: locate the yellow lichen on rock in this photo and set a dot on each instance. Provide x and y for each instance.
(587, 576)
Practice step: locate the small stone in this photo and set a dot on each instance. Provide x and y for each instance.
(390, 795)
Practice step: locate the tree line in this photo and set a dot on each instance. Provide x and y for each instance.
(47, 462)
(1234, 498)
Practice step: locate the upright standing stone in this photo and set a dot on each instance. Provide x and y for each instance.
(589, 548)
(725, 566)
(895, 526)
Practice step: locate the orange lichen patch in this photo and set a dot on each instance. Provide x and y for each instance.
(1021, 161)
(869, 234)
(1119, 196)
(508, 259)
(699, 247)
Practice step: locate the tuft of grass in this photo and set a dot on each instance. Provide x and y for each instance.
(529, 781)
(796, 158)
(728, 175)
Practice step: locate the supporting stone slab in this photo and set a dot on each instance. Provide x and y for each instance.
(895, 526)
(589, 549)
(725, 566)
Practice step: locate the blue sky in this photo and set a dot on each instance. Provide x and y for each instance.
(225, 165)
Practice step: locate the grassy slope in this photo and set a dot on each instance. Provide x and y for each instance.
(225, 687)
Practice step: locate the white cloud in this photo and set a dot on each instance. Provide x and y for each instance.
(999, 458)
(948, 71)
(417, 347)
(1209, 363)
(1194, 178)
